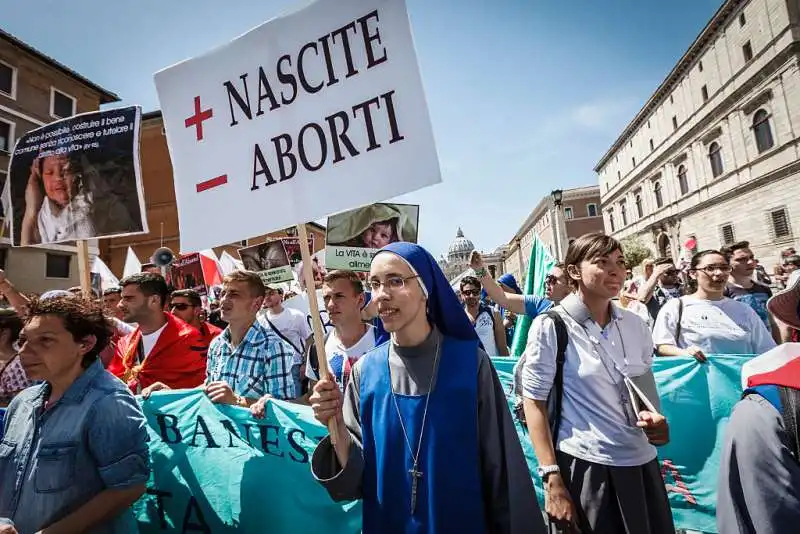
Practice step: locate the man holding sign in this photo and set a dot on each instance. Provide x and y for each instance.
(423, 415)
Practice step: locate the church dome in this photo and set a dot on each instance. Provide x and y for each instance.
(461, 247)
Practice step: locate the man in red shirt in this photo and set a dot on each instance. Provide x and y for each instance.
(187, 305)
(163, 348)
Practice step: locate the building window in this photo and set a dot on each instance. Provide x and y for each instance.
(742, 20)
(658, 195)
(779, 220)
(57, 266)
(8, 80)
(619, 175)
(633, 161)
(726, 234)
(611, 220)
(606, 187)
(568, 212)
(648, 124)
(747, 51)
(61, 104)
(674, 122)
(623, 213)
(715, 157)
(652, 146)
(3, 177)
(243, 243)
(704, 93)
(638, 202)
(671, 100)
(6, 136)
(683, 181)
(591, 210)
(762, 131)
(700, 66)
(630, 143)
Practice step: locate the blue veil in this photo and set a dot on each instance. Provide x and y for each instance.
(444, 310)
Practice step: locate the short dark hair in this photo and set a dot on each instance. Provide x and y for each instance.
(116, 290)
(588, 247)
(190, 294)
(10, 320)
(344, 274)
(794, 259)
(730, 249)
(469, 281)
(80, 317)
(664, 261)
(253, 281)
(149, 283)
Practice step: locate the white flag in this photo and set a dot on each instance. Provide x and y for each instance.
(228, 264)
(132, 264)
(107, 278)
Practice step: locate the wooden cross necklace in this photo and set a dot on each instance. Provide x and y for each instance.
(415, 473)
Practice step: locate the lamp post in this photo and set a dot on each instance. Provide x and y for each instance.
(558, 196)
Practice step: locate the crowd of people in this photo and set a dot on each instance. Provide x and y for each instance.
(404, 350)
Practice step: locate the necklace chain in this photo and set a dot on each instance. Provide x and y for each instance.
(415, 457)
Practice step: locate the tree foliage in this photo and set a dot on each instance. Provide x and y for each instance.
(635, 251)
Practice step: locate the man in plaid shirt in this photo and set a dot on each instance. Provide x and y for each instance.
(248, 360)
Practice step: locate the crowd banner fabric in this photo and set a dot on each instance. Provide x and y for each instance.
(697, 400)
(315, 112)
(540, 264)
(187, 273)
(269, 260)
(353, 237)
(217, 470)
(78, 178)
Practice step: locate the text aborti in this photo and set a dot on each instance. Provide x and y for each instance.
(306, 115)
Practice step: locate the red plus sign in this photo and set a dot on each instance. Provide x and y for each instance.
(197, 119)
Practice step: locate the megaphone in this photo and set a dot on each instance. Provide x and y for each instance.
(162, 257)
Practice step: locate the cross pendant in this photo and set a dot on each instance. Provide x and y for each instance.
(415, 476)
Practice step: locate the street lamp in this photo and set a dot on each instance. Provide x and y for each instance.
(557, 195)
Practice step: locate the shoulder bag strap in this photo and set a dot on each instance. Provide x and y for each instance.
(280, 335)
(562, 338)
(678, 324)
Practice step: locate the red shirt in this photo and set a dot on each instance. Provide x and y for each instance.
(178, 358)
(208, 332)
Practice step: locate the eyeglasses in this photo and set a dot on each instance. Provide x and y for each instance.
(180, 306)
(711, 269)
(471, 292)
(392, 283)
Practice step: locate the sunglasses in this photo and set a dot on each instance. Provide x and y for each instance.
(180, 306)
(471, 292)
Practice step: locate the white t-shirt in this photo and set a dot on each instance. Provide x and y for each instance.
(484, 327)
(341, 359)
(594, 424)
(715, 326)
(292, 324)
(149, 340)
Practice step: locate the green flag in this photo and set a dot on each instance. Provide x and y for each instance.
(539, 266)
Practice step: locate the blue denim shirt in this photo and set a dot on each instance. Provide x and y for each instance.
(53, 462)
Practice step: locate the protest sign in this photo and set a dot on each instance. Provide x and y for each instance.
(308, 114)
(78, 178)
(269, 260)
(187, 273)
(216, 469)
(354, 236)
(292, 247)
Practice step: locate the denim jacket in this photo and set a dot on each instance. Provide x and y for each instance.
(53, 462)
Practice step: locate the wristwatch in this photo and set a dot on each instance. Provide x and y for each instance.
(545, 470)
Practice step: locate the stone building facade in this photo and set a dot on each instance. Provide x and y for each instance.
(713, 154)
(162, 211)
(35, 89)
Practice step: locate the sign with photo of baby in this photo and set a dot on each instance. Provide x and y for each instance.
(77, 178)
(355, 236)
(269, 260)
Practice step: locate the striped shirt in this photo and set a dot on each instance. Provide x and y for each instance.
(261, 364)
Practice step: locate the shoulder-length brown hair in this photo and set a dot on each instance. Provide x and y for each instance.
(588, 247)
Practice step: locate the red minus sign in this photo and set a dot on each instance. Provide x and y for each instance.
(212, 183)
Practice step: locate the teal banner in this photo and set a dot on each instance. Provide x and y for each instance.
(218, 470)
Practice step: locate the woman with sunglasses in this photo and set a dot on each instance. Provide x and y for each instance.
(706, 322)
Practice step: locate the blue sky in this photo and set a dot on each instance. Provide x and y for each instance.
(524, 96)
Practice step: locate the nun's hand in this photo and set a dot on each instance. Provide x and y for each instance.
(476, 261)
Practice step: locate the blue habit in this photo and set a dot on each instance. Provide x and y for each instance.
(449, 496)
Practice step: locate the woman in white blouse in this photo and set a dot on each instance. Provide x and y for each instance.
(600, 471)
(706, 322)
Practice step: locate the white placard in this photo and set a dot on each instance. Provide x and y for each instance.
(309, 114)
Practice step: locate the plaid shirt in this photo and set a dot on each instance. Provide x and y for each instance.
(260, 365)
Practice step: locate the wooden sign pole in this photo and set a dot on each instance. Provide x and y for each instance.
(313, 308)
(84, 269)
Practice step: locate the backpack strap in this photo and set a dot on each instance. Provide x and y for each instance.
(554, 400)
(790, 400)
(280, 335)
(678, 324)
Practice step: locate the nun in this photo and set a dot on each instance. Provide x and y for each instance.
(422, 433)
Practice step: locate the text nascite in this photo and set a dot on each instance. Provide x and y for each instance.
(330, 140)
